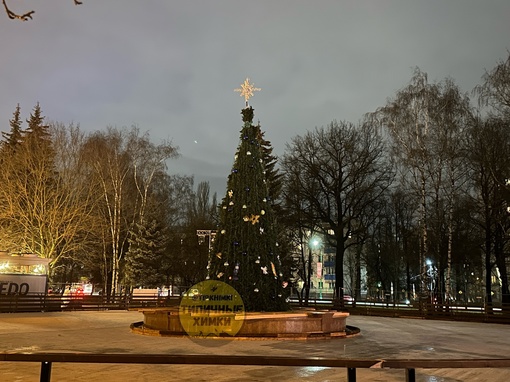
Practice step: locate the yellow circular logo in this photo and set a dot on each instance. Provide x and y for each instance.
(211, 309)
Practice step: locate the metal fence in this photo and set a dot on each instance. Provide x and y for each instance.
(479, 313)
(459, 312)
(55, 302)
(19, 303)
(495, 313)
(351, 365)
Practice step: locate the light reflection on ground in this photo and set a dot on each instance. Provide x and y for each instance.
(304, 372)
(432, 378)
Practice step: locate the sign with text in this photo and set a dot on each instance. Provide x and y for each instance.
(19, 284)
(211, 309)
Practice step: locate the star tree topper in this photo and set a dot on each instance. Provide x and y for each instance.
(247, 90)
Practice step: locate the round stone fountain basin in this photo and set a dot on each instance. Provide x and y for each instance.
(294, 324)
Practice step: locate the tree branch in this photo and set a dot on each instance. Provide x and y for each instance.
(14, 16)
(27, 15)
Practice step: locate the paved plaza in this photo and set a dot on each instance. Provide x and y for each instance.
(380, 338)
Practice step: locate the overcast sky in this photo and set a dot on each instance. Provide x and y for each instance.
(170, 67)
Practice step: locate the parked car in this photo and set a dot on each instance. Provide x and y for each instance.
(348, 298)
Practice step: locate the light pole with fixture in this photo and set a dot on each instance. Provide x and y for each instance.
(315, 244)
(210, 234)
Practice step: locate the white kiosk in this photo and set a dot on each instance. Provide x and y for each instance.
(23, 274)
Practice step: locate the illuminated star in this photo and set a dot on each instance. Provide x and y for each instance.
(247, 90)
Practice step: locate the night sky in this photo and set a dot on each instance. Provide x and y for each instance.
(171, 67)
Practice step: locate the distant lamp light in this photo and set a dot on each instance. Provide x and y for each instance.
(315, 243)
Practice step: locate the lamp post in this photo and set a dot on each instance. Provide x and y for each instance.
(210, 234)
(203, 233)
(431, 276)
(315, 244)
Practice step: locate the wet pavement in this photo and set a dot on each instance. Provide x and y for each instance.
(380, 338)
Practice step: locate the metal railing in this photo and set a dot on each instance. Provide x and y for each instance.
(55, 302)
(494, 313)
(351, 365)
(459, 312)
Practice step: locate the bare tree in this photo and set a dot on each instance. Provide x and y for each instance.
(44, 210)
(407, 119)
(71, 165)
(148, 160)
(452, 118)
(489, 150)
(426, 123)
(112, 169)
(495, 88)
(125, 165)
(340, 170)
(491, 167)
(300, 231)
(200, 208)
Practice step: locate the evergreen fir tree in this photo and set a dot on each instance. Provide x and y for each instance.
(36, 127)
(144, 257)
(274, 184)
(13, 138)
(245, 253)
(273, 176)
(37, 140)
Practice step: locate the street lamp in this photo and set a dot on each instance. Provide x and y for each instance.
(315, 244)
(210, 234)
(430, 273)
(203, 233)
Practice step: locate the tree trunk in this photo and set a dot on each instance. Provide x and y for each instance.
(448, 279)
(338, 301)
(357, 283)
(501, 264)
(488, 264)
(424, 238)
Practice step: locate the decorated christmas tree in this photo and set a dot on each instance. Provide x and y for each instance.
(245, 252)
